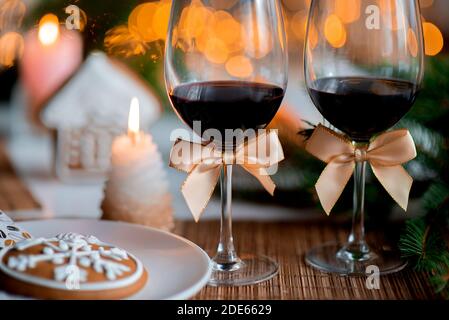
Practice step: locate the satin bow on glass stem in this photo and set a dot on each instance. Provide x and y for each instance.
(385, 154)
(203, 164)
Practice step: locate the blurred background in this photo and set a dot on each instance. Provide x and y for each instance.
(60, 59)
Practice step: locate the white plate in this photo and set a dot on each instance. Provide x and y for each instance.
(177, 268)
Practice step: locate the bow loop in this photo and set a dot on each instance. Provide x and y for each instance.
(329, 146)
(392, 148)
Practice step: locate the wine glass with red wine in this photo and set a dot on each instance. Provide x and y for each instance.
(226, 71)
(363, 70)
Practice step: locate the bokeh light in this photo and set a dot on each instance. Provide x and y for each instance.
(433, 39)
(216, 51)
(348, 10)
(220, 36)
(161, 19)
(334, 31)
(229, 30)
(48, 29)
(239, 67)
(298, 24)
(11, 48)
(140, 21)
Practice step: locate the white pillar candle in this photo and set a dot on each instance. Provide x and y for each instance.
(137, 188)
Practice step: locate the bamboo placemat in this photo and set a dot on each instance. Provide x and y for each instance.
(284, 242)
(14, 195)
(287, 244)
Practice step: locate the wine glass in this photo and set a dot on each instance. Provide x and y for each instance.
(363, 69)
(226, 68)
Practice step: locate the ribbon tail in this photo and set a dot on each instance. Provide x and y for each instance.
(332, 182)
(261, 175)
(197, 189)
(396, 181)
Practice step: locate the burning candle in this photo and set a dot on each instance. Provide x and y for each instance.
(51, 55)
(137, 188)
(134, 146)
(134, 121)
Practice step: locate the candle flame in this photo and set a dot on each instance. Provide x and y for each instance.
(134, 117)
(48, 29)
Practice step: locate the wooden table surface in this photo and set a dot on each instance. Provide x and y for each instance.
(287, 243)
(284, 242)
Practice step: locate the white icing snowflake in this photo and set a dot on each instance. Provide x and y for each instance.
(70, 251)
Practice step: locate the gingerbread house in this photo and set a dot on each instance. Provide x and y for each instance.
(89, 111)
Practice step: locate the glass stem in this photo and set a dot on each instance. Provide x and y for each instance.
(357, 248)
(226, 258)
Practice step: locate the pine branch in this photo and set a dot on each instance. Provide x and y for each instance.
(425, 248)
(436, 196)
(423, 242)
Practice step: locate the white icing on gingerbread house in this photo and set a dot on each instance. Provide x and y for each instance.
(92, 109)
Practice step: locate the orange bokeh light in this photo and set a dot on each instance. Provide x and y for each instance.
(161, 19)
(194, 20)
(348, 10)
(335, 31)
(11, 48)
(298, 24)
(433, 38)
(140, 21)
(226, 28)
(216, 51)
(239, 67)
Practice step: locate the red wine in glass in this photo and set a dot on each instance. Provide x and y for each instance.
(225, 105)
(362, 107)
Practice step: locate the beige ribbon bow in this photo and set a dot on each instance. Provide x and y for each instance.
(386, 154)
(203, 163)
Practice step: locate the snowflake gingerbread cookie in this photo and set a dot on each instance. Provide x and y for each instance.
(10, 233)
(70, 266)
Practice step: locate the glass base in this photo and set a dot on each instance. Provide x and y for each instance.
(336, 258)
(247, 270)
